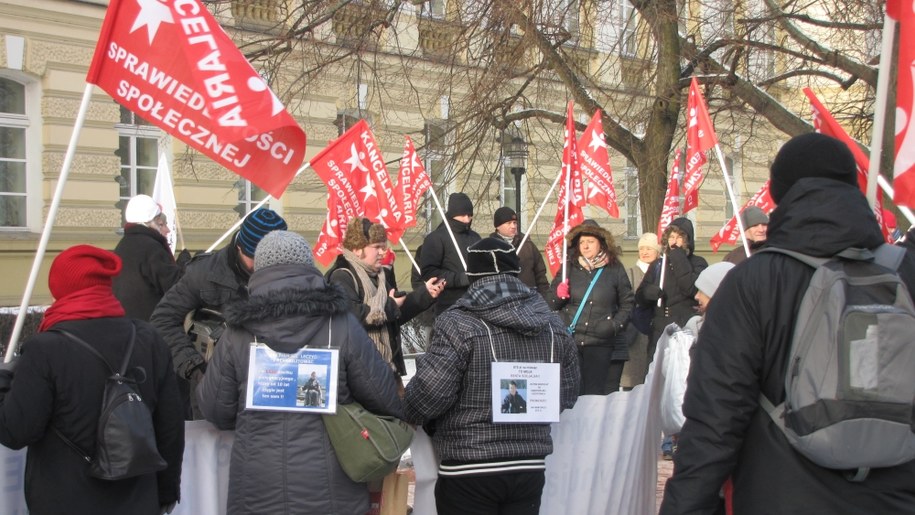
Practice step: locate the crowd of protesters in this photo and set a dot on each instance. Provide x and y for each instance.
(196, 324)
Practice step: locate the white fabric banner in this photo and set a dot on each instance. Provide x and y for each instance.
(204, 474)
(605, 454)
(164, 195)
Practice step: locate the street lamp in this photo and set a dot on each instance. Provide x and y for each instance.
(515, 149)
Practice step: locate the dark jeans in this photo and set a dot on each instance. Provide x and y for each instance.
(516, 493)
(600, 374)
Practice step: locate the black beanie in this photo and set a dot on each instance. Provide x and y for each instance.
(811, 155)
(459, 204)
(502, 215)
(491, 256)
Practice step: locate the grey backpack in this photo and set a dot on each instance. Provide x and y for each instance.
(850, 386)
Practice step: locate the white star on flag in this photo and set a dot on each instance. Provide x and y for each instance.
(354, 160)
(593, 190)
(152, 14)
(597, 141)
(369, 190)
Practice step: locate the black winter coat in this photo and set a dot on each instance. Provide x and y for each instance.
(607, 311)
(59, 384)
(212, 281)
(283, 462)
(149, 270)
(742, 351)
(417, 301)
(679, 304)
(440, 259)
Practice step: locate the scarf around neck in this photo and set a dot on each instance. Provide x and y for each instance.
(93, 302)
(375, 297)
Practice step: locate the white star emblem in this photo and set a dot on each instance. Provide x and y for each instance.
(593, 190)
(597, 141)
(355, 160)
(152, 14)
(414, 162)
(368, 189)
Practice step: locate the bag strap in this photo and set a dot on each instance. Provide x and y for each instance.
(581, 306)
(123, 370)
(886, 255)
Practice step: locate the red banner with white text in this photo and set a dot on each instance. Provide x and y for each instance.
(570, 199)
(594, 160)
(671, 207)
(172, 64)
(412, 183)
(327, 246)
(700, 138)
(730, 232)
(903, 11)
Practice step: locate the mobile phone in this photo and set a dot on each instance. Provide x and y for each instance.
(399, 294)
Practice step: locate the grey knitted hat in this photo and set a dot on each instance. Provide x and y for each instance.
(282, 248)
(710, 278)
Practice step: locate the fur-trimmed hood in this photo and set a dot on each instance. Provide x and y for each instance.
(591, 228)
(288, 307)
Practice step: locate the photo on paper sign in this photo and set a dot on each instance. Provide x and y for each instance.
(312, 387)
(514, 393)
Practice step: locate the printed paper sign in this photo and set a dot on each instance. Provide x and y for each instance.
(305, 381)
(525, 392)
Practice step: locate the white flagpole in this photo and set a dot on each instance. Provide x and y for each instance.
(533, 222)
(883, 84)
(727, 183)
(259, 205)
(885, 186)
(661, 279)
(49, 224)
(447, 226)
(410, 255)
(565, 217)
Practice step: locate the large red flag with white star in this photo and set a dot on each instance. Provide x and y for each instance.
(571, 199)
(594, 160)
(171, 63)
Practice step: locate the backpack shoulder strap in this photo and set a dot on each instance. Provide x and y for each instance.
(811, 261)
(90, 348)
(889, 256)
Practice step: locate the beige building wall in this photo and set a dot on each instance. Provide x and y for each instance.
(48, 44)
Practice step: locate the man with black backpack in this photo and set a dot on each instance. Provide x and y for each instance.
(742, 359)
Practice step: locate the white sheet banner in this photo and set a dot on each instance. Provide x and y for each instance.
(204, 475)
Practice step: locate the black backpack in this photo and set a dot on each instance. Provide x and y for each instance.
(126, 439)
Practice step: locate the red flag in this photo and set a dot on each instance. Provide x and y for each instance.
(571, 203)
(354, 171)
(824, 123)
(671, 207)
(327, 246)
(412, 182)
(594, 160)
(171, 63)
(904, 167)
(730, 233)
(700, 138)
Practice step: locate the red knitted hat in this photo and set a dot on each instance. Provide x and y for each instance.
(80, 267)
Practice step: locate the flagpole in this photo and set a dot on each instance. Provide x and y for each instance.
(448, 227)
(540, 209)
(885, 185)
(259, 205)
(883, 81)
(409, 255)
(661, 279)
(727, 183)
(565, 218)
(49, 223)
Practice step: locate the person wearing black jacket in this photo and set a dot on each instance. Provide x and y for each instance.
(372, 289)
(210, 283)
(149, 266)
(678, 302)
(441, 260)
(533, 269)
(58, 386)
(743, 348)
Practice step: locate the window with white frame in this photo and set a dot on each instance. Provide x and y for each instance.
(14, 134)
(633, 209)
(626, 25)
(249, 196)
(138, 148)
(435, 158)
